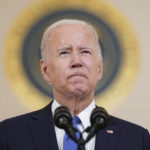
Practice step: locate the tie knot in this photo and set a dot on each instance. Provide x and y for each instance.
(76, 120)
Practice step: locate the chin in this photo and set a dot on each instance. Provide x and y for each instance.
(79, 92)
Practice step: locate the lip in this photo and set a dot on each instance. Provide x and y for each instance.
(78, 75)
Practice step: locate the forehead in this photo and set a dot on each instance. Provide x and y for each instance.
(72, 30)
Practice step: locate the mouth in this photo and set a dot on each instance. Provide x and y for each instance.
(78, 75)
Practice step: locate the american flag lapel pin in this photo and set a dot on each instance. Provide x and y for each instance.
(110, 131)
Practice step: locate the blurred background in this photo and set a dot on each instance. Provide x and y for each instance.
(135, 106)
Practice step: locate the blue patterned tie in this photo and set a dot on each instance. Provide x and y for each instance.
(69, 144)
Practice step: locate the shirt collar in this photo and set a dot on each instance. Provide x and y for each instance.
(84, 115)
(55, 105)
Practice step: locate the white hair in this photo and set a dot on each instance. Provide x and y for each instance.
(44, 49)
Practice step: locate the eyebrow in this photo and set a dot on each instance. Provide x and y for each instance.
(85, 48)
(64, 48)
(70, 47)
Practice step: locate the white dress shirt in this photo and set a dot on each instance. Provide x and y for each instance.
(85, 122)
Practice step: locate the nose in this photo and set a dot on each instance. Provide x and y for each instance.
(76, 60)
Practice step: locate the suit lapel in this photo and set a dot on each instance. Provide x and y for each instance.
(42, 130)
(44, 137)
(107, 139)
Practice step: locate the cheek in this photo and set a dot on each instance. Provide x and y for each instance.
(91, 66)
(93, 70)
(60, 71)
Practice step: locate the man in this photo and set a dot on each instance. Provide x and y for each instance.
(72, 63)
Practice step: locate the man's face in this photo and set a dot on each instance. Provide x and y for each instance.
(73, 66)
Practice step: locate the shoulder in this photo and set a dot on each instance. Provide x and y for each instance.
(25, 118)
(130, 133)
(124, 124)
(129, 129)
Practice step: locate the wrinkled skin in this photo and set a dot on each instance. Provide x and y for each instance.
(73, 67)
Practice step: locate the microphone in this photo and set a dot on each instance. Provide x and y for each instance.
(99, 120)
(63, 120)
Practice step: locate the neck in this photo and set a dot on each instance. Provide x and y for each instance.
(74, 103)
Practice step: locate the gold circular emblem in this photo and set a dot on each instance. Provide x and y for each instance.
(22, 50)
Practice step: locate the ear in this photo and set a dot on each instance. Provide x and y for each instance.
(45, 71)
(100, 70)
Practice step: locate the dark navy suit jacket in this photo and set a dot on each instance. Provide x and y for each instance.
(35, 131)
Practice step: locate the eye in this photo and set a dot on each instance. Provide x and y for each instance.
(63, 53)
(85, 52)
